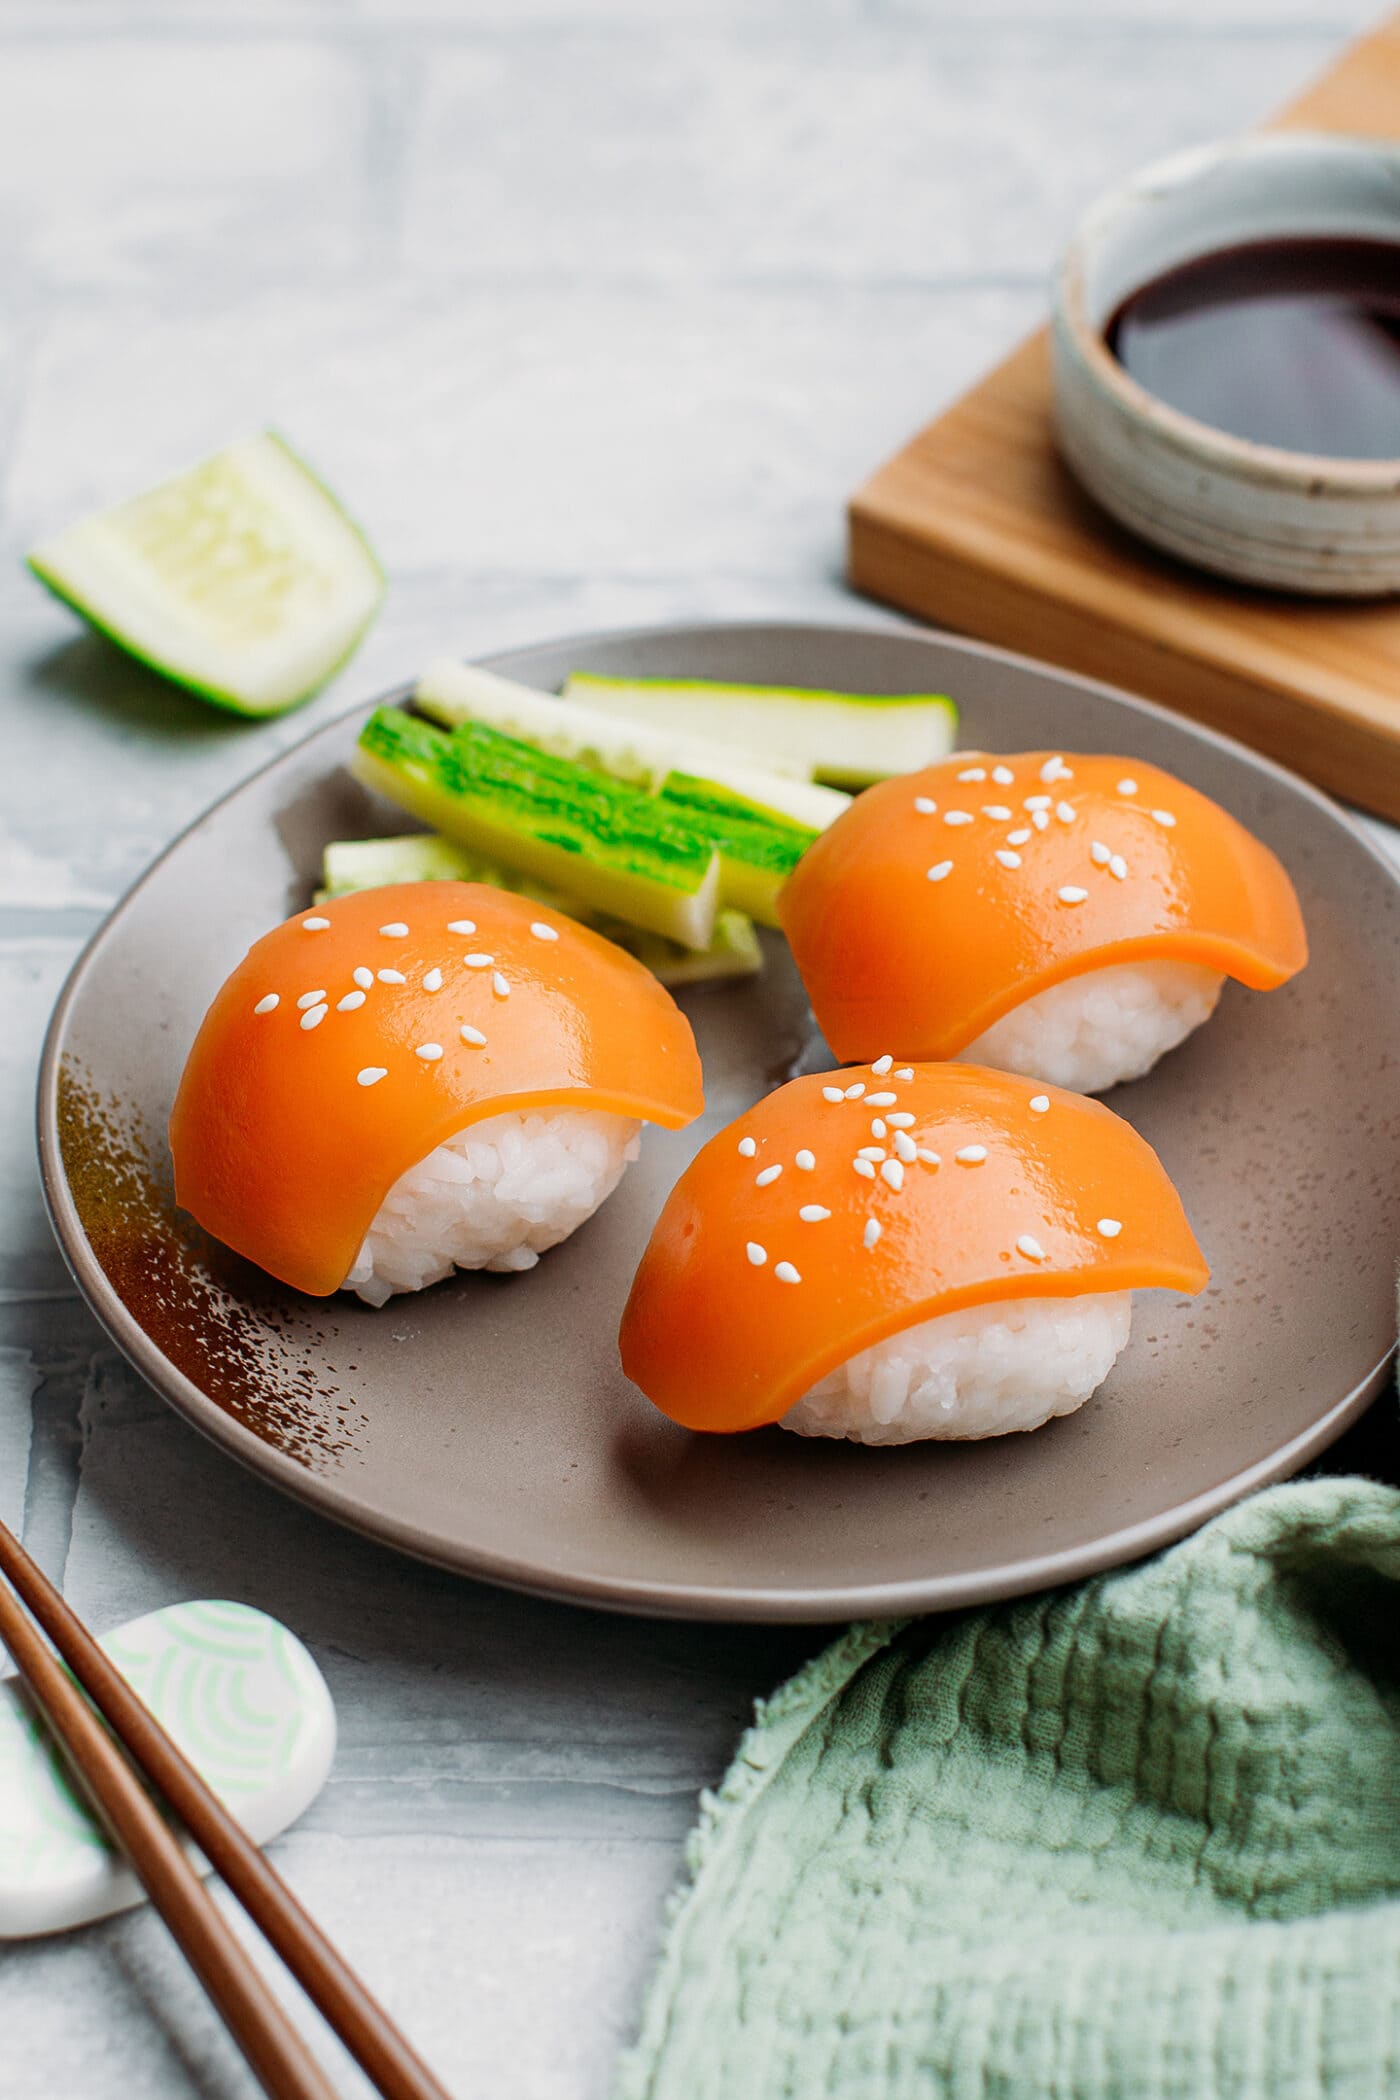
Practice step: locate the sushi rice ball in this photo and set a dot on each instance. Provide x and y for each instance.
(890, 1253)
(431, 1076)
(1071, 918)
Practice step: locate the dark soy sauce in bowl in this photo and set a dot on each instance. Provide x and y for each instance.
(1292, 343)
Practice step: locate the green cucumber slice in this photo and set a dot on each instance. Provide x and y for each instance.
(615, 848)
(847, 739)
(424, 856)
(641, 754)
(242, 579)
(758, 849)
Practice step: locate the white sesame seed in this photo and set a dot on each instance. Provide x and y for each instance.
(1055, 769)
(1003, 776)
(268, 1003)
(757, 1255)
(370, 1075)
(871, 1152)
(1100, 854)
(1041, 819)
(391, 977)
(957, 816)
(472, 1035)
(925, 805)
(973, 773)
(747, 1148)
(1007, 858)
(314, 925)
(832, 1093)
(905, 1072)
(903, 1121)
(871, 1235)
(1018, 838)
(813, 1214)
(1071, 894)
(881, 1100)
(1037, 802)
(882, 1065)
(1039, 1104)
(348, 1004)
(769, 1175)
(864, 1166)
(396, 930)
(1127, 787)
(1065, 811)
(1109, 1228)
(466, 927)
(433, 981)
(311, 999)
(893, 1172)
(1119, 867)
(805, 1160)
(1164, 817)
(905, 1148)
(543, 932)
(364, 978)
(477, 961)
(878, 1127)
(930, 1159)
(1031, 1248)
(429, 1052)
(939, 870)
(314, 1016)
(997, 811)
(971, 1155)
(785, 1272)
(853, 1093)
(499, 985)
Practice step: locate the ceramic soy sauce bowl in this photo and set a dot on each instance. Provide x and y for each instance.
(1290, 520)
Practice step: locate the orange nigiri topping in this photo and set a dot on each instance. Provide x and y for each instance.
(849, 1205)
(355, 1037)
(942, 899)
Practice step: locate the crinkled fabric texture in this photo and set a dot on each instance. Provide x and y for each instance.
(1135, 1840)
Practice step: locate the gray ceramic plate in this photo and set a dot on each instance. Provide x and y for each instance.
(485, 1424)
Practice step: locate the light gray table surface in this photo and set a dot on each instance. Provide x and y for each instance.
(593, 311)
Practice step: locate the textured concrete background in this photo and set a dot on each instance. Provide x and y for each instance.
(593, 310)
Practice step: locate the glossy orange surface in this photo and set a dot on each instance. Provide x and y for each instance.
(719, 1341)
(283, 1149)
(1090, 874)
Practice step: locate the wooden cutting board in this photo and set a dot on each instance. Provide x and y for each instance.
(976, 524)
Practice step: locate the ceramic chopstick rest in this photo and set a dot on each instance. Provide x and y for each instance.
(236, 1691)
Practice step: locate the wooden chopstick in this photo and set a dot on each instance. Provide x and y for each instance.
(278, 2055)
(377, 2045)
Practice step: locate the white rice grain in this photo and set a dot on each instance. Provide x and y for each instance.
(1095, 1031)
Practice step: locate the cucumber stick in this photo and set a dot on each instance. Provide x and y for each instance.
(849, 739)
(644, 753)
(425, 856)
(242, 579)
(614, 847)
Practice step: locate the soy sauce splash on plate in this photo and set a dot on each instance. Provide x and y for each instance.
(1293, 343)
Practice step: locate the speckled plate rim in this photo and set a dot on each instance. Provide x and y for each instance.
(641, 1595)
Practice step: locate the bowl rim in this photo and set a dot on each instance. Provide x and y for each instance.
(1309, 474)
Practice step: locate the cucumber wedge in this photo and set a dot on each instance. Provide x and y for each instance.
(846, 739)
(424, 856)
(643, 754)
(616, 848)
(758, 849)
(242, 579)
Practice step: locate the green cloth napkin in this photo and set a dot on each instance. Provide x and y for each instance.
(1137, 1839)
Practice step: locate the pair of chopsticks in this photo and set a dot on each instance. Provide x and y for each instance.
(254, 2017)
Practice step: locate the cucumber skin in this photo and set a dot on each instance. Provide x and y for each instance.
(592, 689)
(512, 803)
(218, 696)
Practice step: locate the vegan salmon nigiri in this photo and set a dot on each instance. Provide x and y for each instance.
(414, 1078)
(894, 1252)
(1069, 917)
